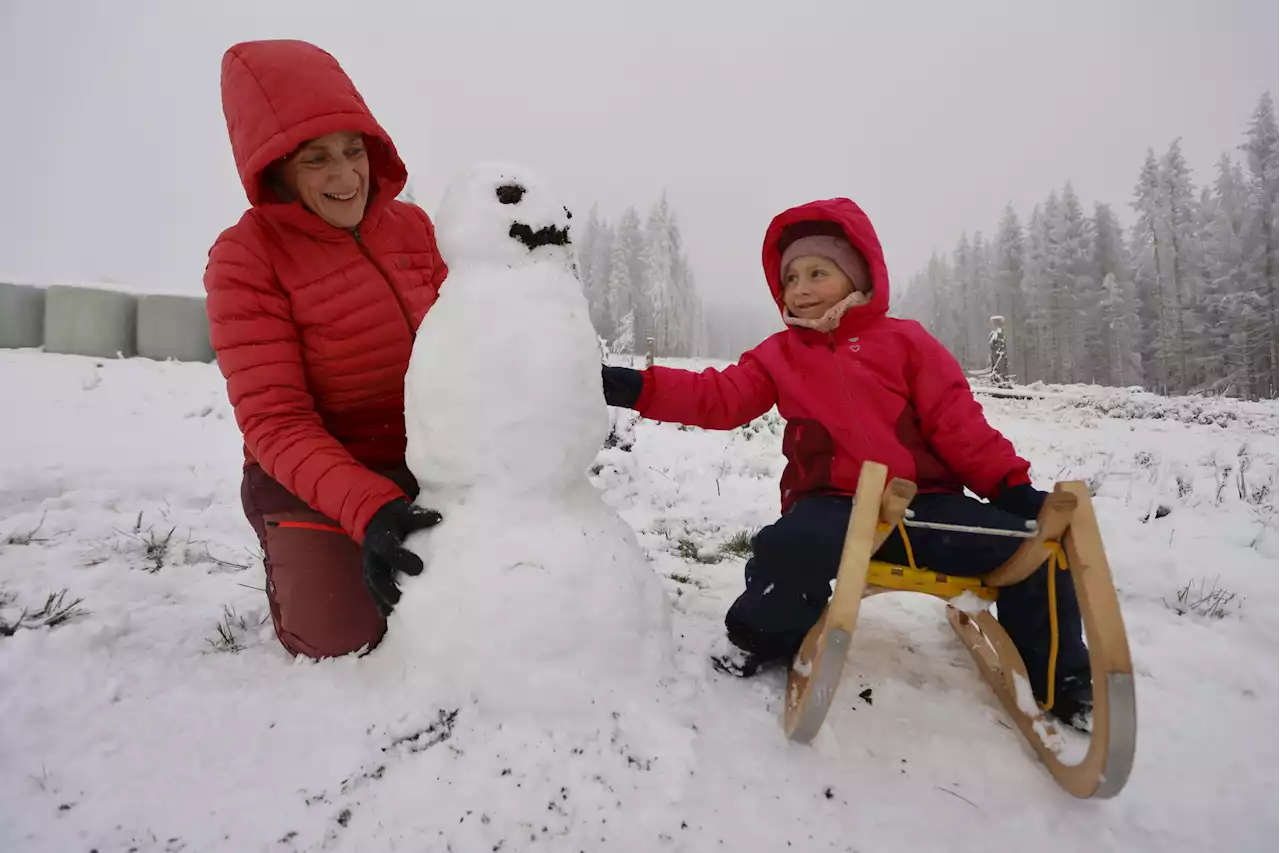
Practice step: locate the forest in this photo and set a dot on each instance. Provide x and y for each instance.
(639, 283)
(1181, 298)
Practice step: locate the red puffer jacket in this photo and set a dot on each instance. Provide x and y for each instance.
(877, 388)
(313, 325)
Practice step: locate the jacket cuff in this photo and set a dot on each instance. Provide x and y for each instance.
(1013, 478)
(647, 391)
(370, 506)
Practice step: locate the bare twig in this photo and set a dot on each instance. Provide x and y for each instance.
(957, 796)
(230, 629)
(55, 611)
(1214, 603)
(28, 537)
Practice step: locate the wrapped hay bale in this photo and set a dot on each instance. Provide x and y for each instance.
(21, 316)
(173, 327)
(87, 321)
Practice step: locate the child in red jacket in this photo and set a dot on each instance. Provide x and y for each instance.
(856, 385)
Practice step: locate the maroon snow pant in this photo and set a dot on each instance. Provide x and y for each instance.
(315, 580)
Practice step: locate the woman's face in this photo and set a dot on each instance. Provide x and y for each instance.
(330, 176)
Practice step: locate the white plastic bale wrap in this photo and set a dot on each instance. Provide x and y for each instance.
(173, 327)
(86, 321)
(21, 316)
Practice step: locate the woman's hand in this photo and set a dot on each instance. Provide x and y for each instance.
(384, 553)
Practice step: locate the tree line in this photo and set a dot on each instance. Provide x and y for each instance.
(1181, 300)
(637, 280)
(639, 284)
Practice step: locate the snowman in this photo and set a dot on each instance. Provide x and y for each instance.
(536, 597)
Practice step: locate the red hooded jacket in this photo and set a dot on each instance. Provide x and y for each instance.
(876, 389)
(313, 325)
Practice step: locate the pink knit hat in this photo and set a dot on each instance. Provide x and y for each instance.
(839, 250)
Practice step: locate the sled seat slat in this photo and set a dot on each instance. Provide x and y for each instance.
(890, 576)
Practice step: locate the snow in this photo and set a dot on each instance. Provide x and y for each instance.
(135, 726)
(510, 326)
(969, 603)
(537, 595)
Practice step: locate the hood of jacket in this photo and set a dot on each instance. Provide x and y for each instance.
(857, 229)
(276, 95)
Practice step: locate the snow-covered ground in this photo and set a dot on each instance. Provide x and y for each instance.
(162, 715)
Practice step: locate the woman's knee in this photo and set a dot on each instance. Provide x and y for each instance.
(315, 582)
(318, 635)
(320, 606)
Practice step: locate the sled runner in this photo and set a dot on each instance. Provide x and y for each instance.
(1066, 534)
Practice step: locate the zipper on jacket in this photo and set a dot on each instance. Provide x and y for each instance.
(307, 525)
(848, 394)
(404, 311)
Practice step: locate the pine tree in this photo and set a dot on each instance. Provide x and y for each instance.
(623, 281)
(1180, 222)
(980, 276)
(658, 290)
(943, 319)
(1034, 287)
(689, 324)
(1076, 290)
(591, 246)
(1010, 250)
(1120, 330)
(625, 341)
(1148, 246)
(1227, 357)
(1262, 153)
(962, 289)
(1054, 296)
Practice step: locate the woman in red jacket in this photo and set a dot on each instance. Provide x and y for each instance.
(856, 385)
(314, 297)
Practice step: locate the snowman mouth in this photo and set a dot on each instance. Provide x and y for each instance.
(341, 197)
(546, 236)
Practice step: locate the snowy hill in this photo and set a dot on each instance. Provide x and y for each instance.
(160, 714)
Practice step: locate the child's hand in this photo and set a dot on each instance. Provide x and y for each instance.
(1023, 501)
(622, 385)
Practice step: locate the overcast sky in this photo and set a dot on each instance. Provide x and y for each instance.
(930, 114)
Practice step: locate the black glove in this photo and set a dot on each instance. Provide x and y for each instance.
(622, 386)
(1022, 500)
(384, 552)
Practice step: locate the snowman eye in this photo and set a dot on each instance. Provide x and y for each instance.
(510, 193)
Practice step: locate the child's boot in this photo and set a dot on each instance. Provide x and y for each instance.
(754, 650)
(1023, 611)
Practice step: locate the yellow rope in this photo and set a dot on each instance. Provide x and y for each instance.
(906, 543)
(1057, 560)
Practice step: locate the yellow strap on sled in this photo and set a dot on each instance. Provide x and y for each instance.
(912, 578)
(1057, 560)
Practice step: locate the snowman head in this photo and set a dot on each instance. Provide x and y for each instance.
(501, 213)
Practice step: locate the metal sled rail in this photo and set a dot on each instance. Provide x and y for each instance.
(1029, 533)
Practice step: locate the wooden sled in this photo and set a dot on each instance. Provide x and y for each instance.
(1067, 521)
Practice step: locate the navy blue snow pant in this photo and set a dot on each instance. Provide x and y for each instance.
(795, 559)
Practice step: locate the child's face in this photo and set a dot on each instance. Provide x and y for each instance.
(812, 285)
